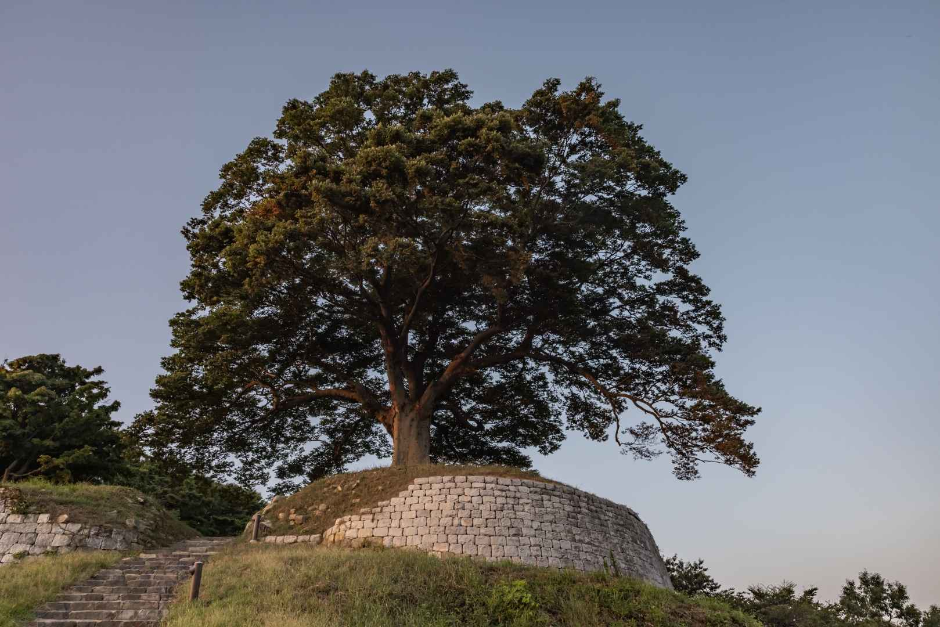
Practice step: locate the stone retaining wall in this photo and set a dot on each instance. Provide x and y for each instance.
(494, 518)
(36, 534)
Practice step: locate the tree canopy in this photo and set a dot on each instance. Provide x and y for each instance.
(55, 421)
(876, 601)
(467, 281)
(872, 602)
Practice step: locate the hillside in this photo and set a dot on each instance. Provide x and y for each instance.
(102, 505)
(317, 506)
(294, 586)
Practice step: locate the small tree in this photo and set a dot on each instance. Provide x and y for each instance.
(691, 578)
(875, 601)
(931, 617)
(54, 421)
(398, 263)
(781, 606)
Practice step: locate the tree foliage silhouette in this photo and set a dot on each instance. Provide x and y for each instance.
(55, 421)
(469, 281)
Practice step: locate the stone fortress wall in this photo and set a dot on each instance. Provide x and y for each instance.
(529, 522)
(35, 534)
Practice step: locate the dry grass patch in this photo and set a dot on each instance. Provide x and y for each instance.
(325, 500)
(296, 585)
(26, 585)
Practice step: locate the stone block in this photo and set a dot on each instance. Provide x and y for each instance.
(44, 539)
(10, 537)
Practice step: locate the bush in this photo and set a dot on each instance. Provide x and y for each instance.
(691, 578)
(511, 603)
(210, 507)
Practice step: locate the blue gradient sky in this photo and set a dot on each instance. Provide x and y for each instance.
(809, 133)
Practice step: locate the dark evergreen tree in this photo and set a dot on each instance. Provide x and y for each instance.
(55, 421)
(467, 281)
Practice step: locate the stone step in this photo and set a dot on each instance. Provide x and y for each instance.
(142, 581)
(99, 615)
(136, 592)
(117, 604)
(55, 622)
(123, 589)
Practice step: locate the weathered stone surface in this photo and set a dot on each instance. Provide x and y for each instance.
(35, 534)
(492, 518)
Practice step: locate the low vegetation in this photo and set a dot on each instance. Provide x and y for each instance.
(317, 506)
(294, 586)
(211, 507)
(101, 505)
(872, 602)
(26, 585)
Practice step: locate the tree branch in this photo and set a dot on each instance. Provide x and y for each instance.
(589, 376)
(457, 364)
(462, 417)
(519, 352)
(406, 324)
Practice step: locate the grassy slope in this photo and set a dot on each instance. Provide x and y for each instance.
(26, 585)
(103, 505)
(300, 585)
(364, 489)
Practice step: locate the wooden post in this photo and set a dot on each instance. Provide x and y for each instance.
(197, 580)
(256, 527)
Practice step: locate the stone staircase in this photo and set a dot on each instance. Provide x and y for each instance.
(135, 593)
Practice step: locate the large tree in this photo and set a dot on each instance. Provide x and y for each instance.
(55, 421)
(467, 280)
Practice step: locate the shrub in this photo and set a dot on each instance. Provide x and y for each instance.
(511, 603)
(210, 507)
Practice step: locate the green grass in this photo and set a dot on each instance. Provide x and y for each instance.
(102, 505)
(26, 585)
(294, 586)
(347, 493)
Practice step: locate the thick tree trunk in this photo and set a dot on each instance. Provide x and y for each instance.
(411, 436)
(12, 468)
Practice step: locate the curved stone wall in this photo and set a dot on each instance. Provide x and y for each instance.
(494, 518)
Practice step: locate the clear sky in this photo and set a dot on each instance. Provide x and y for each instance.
(809, 131)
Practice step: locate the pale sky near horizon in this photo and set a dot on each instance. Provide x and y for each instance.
(809, 133)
